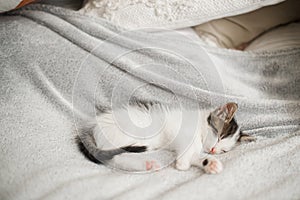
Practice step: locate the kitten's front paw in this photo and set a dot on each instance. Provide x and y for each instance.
(212, 166)
(182, 165)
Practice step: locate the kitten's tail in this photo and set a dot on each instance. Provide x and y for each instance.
(86, 144)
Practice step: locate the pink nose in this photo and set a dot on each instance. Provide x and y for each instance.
(213, 150)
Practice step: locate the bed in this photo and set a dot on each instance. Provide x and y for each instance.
(58, 65)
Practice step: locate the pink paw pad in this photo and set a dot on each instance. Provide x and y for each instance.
(152, 165)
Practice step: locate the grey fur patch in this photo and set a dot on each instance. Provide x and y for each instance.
(229, 129)
(225, 129)
(86, 144)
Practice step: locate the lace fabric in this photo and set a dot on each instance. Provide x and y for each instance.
(168, 13)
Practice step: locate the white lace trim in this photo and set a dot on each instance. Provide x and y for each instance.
(168, 13)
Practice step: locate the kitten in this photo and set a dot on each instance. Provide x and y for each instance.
(191, 133)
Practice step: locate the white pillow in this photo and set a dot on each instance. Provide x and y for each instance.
(236, 32)
(283, 37)
(175, 14)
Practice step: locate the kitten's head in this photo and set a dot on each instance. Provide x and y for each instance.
(224, 131)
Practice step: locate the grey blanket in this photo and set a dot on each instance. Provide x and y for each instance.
(58, 66)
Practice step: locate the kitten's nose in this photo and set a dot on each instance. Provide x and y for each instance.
(213, 150)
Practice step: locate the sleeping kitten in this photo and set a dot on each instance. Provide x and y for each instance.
(191, 134)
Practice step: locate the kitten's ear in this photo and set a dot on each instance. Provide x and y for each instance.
(246, 138)
(229, 109)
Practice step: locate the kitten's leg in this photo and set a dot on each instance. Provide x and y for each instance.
(209, 164)
(184, 161)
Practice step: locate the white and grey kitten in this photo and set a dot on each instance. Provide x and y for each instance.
(191, 133)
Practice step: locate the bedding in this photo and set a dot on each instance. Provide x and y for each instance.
(7, 5)
(171, 14)
(237, 31)
(283, 37)
(58, 65)
(193, 35)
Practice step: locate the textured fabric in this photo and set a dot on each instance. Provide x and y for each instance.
(175, 14)
(233, 32)
(54, 70)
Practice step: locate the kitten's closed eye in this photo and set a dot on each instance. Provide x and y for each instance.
(216, 151)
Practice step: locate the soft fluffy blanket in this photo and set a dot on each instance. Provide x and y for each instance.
(57, 66)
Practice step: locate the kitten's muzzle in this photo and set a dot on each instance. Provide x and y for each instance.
(213, 150)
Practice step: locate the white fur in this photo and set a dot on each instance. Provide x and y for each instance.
(186, 132)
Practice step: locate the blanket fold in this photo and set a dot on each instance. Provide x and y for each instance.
(57, 66)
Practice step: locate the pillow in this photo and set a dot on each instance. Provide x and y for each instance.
(174, 14)
(236, 32)
(7, 5)
(282, 37)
